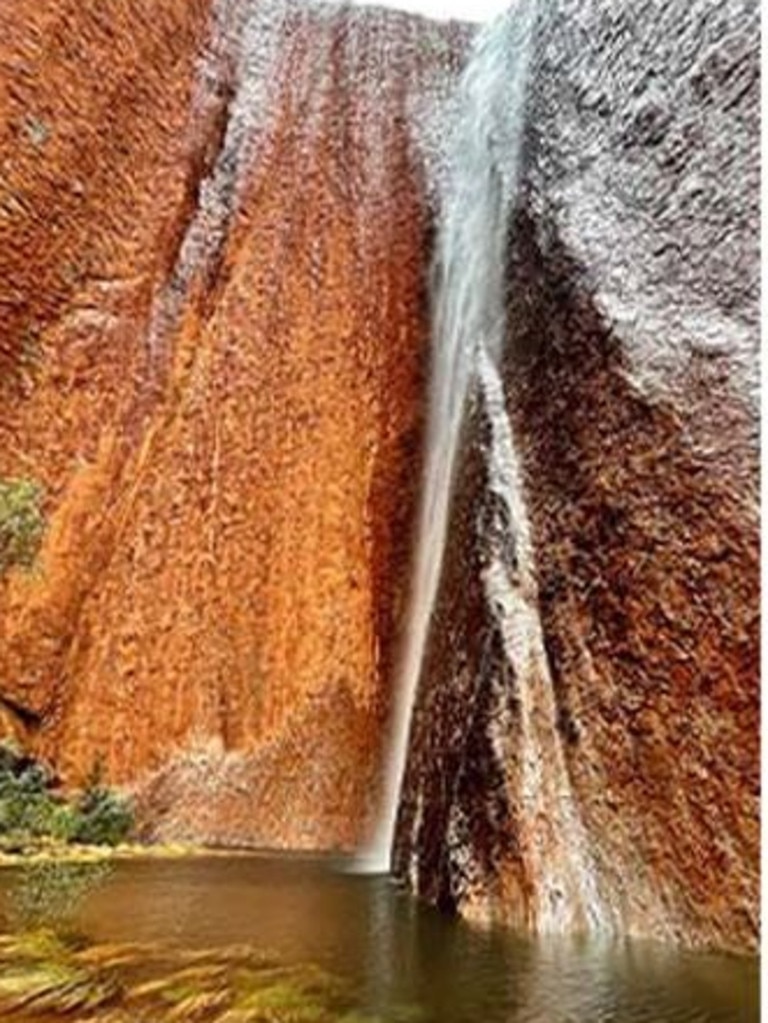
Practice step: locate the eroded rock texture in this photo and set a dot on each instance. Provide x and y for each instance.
(213, 224)
(585, 744)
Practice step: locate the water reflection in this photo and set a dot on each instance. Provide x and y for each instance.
(51, 894)
(402, 960)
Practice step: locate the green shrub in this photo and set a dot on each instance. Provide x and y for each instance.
(103, 816)
(21, 522)
(30, 810)
(26, 805)
(63, 823)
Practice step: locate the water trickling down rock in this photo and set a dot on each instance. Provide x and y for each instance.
(216, 226)
(226, 411)
(476, 192)
(584, 748)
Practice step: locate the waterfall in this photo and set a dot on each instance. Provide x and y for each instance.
(468, 318)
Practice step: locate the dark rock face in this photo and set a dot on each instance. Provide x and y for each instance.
(623, 661)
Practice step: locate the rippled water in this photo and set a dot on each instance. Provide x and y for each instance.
(404, 960)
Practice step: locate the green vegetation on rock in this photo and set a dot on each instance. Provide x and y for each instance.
(21, 522)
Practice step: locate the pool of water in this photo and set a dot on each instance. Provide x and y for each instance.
(404, 960)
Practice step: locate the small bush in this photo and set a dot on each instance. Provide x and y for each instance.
(30, 810)
(103, 816)
(26, 805)
(63, 823)
(21, 523)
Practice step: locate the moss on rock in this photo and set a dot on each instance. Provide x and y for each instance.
(21, 522)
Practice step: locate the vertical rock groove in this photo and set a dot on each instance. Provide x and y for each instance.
(468, 317)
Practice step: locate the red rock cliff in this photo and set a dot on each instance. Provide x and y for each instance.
(212, 256)
(214, 235)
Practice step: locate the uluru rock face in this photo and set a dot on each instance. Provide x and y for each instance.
(213, 254)
(584, 752)
(216, 224)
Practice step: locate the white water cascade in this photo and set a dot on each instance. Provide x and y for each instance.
(468, 317)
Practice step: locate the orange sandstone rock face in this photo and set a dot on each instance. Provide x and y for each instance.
(91, 120)
(212, 225)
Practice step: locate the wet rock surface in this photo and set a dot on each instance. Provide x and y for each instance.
(216, 224)
(214, 256)
(630, 383)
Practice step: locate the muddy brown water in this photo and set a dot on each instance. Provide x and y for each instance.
(404, 960)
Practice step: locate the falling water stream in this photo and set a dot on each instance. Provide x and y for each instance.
(311, 932)
(468, 316)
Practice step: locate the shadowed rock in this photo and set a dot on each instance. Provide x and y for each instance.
(585, 745)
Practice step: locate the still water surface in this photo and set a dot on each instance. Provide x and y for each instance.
(404, 959)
